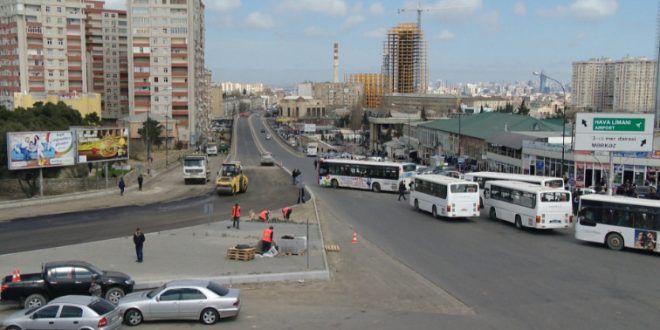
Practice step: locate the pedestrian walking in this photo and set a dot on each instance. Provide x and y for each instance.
(316, 163)
(267, 239)
(236, 216)
(301, 192)
(294, 174)
(122, 186)
(95, 288)
(286, 212)
(402, 191)
(138, 239)
(140, 181)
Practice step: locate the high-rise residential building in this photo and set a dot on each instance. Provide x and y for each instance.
(373, 85)
(166, 61)
(107, 64)
(404, 60)
(542, 83)
(42, 48)
(626, 85)
(593, 84)
(634, 85)
(216, 102)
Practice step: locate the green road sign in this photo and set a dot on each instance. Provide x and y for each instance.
(601, 124)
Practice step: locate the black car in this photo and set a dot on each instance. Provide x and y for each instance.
(63, 278)
(263, 130)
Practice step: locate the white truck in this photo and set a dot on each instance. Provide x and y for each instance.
(196, 168)
(312, 149)
(211, 149)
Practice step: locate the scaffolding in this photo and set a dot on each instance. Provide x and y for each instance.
(404, 60)
(373, 86)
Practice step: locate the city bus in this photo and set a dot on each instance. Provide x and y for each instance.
(445, 196)
(312, 149)
(482, 177)
(528, 205)
(619, 221)
(360, 174)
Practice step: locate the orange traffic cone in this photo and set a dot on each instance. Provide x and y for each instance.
(16, 276)
(354, 240)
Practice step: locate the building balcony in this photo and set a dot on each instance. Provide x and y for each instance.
(179, 55)
(141, 74)
(73, 47)
(180, 104)
(142, 84)
(180, 74)
(36, 78)
(37, 88)
(34, 35)
(179, 85)
(70, 36)
(74, 68)
(179, 64)
(141, 64)
(180, 93)
(142, 104)
(75, 78)
(33, 46)
(179, 112)
(73, 27)
(141, 55)
(142, 93)
(179, 46)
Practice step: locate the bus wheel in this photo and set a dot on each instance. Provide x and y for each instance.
(334, 184)
(614, 241)
(519, 223)
(434, 212)
(492, 214)
(416, 206)
(375, 187)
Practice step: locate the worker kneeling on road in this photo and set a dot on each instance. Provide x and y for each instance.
(286, 212)
(267, 239)
(264, 215)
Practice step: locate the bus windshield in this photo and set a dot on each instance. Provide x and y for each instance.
(554, 197)
(464, 188)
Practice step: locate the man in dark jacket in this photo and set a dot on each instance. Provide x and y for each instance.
(138, 239)
(402, 191)
(140, 181)
(121, 185)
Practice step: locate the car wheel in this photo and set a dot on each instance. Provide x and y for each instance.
(35, 300)
(114, 294)
(12, 327)
(416, 205)
(209, 316)
(519, 222)
(614, 241)
(375, 187)
(334, 183)
(434, 211)
(133, 317)
(492, 214)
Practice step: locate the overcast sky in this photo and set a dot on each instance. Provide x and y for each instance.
(283, 42)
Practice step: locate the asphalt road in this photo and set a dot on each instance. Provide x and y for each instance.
(511, 279)
(269, 188)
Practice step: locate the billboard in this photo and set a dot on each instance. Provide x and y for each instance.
(614, 132)
(102, 144)
(309, 128)
(29, 150)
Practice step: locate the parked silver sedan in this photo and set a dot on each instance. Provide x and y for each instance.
(181, 300)
(68, 312)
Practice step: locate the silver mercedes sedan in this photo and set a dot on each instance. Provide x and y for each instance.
(68, 312)
(181, 300)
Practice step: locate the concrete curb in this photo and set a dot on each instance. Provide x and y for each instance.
(313, 275)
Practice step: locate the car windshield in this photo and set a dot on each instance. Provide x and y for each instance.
(192, 162)
(102, 306)
(155, 292)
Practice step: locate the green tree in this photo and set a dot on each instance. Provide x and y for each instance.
(92, 119)
(508, 108)
(523, 110)
(151, 132)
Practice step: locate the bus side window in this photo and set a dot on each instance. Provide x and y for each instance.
(587, 217)
(486, 193)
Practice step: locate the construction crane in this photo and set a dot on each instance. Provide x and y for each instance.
(419, 11)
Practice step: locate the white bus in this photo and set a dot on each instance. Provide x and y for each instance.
(360, 174)
(528, 204)
(482, 177)
(312, 149)
(619, 222)
(445, 196)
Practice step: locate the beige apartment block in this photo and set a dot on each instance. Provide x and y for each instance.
(302, 107)
(107, 57)
(42, 48)
(593, 84)
(166, 61)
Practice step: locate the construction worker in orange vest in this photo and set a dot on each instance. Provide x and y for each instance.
(267, 239)
(286, 212)
(264, 215)
(236, 216)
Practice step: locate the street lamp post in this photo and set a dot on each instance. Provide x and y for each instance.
(563, 117)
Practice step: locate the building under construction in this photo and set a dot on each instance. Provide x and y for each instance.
(404, 60)
(373, 85)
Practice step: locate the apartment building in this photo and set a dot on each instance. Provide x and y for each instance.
(107, 46)
(626, 85)
(333, 95)
(634, 85)
(42, 48)
(166, 61)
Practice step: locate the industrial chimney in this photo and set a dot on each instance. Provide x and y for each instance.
(335, 63)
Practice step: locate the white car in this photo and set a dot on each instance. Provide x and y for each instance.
(268, 137)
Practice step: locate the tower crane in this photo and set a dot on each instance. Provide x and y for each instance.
(419, 9)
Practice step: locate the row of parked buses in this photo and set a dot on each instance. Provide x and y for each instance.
(524, 200)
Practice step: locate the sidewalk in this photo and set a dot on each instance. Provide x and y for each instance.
(165, 184)
(193, 252)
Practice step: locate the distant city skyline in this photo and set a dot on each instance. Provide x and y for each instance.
(284, 42)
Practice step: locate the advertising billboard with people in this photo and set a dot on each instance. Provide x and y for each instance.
(102, 144)
(30, 150)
